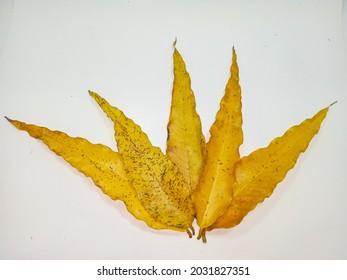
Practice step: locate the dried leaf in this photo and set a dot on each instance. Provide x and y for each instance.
(100, 163)
(158, 188)
(214, 192)
(258, 173)
(159, 184)
(186, 143)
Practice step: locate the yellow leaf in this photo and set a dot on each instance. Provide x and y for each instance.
(159, 184)
(100, 163)
(193, 179)
(258, 173)
(186, 143)
(214, 192)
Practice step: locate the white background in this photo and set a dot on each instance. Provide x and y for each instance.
(293, 61)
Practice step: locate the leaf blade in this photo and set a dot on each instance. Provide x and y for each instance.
(214, 192)
(259, 173)
(96, 161)
(159, 184)
(186, 142)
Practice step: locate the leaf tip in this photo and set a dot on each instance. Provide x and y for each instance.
(174, 43)
(333, 103)
(94, 95)
(234, 55)
(10, 120)
(13, 122)
(234, 50)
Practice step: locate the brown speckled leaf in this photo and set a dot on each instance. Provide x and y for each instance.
(160, 189)
(158, 182)
(100, 163)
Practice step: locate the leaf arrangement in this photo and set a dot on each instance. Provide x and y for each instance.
(194, 179)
